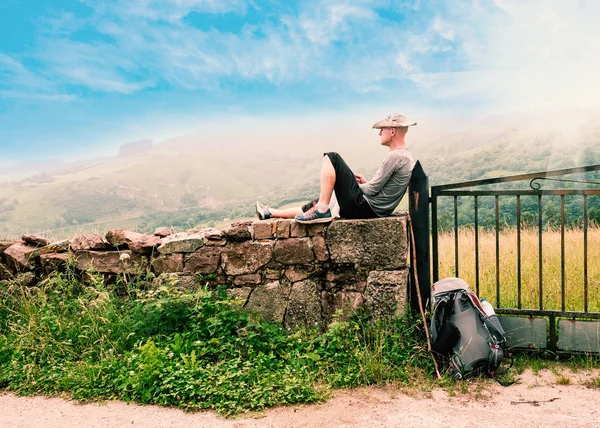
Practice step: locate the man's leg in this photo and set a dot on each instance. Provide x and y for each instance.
(286, 213)
(264, 212)
(322, 213)
(328, 177)
(349, 196)
(337, 175)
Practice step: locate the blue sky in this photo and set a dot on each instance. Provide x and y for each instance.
(80, 77)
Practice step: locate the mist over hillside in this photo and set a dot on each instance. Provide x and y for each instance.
(207, 178)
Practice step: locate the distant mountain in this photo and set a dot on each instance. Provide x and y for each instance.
(188, 181)
(135, 148)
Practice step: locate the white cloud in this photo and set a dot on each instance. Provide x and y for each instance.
(61, 23)
(501, 53)
(27, 95)
(97, 66)
(173, 10)
(443, 29)
(526, 54)
(18, 81)
(326, 21)
(402, 61)
(136, 52)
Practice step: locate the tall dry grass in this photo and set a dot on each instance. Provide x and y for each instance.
(551, 267)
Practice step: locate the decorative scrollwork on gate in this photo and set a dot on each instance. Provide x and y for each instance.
(536, 186)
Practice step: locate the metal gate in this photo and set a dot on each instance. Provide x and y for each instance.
(530, 318)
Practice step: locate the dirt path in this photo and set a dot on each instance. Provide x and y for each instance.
(535, 402)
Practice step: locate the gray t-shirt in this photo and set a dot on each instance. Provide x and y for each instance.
(387, 187)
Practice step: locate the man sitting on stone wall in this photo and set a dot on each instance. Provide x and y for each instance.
(357, 197)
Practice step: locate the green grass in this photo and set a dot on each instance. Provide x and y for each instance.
(191, 349)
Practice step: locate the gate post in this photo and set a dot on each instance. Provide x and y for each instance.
(418, 196)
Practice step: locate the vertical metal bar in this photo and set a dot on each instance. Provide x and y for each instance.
(519, 251)
(497, 254)
(540, 261)
(562, 251)
(456, 236)
(585, 254)
(434, 236)
(476, 247)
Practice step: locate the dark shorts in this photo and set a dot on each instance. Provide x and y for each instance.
(352, 203)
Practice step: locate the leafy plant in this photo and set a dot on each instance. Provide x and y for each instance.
(192, 349)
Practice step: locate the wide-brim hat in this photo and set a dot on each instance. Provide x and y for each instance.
(394, 121)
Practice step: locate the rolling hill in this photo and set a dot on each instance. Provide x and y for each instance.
(188, 181)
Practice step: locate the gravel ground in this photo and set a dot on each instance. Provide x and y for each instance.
(536, 401)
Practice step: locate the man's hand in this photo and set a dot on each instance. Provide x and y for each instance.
(360, 179)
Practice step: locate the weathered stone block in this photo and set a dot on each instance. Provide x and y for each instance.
(320, 248)
(297, 230)
(359, 286)
(162, 232)
(118, 237)
(17, 257)
(385, 295)
(348, 302)
(216, 243)
(262, 230)
(248, 279)
(317, 229)
(4, 245)
(283, 229)
(147, 246)
(297, 273)
(380, 242)
(175, 280)
(240, 294)
(125, 261)
(93, 241)
(35, 241)
(212, 234)
(326, 305)
(168, 263)
(56, 247)
(246, 257)
(182, 243)
(138, 242)
(270, 300)
(341, 272)
(304, 306)
(294, 251)
(54, 261)
(205, 260)
(273, 273)
(239, 231)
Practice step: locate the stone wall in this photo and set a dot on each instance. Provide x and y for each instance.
(296, 274)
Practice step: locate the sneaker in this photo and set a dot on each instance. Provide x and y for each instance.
(314, 216)
(262, 211)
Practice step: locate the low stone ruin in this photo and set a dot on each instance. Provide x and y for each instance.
(296, 274)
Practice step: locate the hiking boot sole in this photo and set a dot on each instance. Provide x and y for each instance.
(316, 220)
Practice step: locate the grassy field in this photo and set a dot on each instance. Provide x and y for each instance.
(551, 267)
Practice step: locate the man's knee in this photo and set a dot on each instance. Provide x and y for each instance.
(333, 156)
(335, 159)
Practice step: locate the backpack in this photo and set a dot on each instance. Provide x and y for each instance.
(474, 342)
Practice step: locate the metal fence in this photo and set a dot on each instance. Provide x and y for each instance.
(472, 189)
